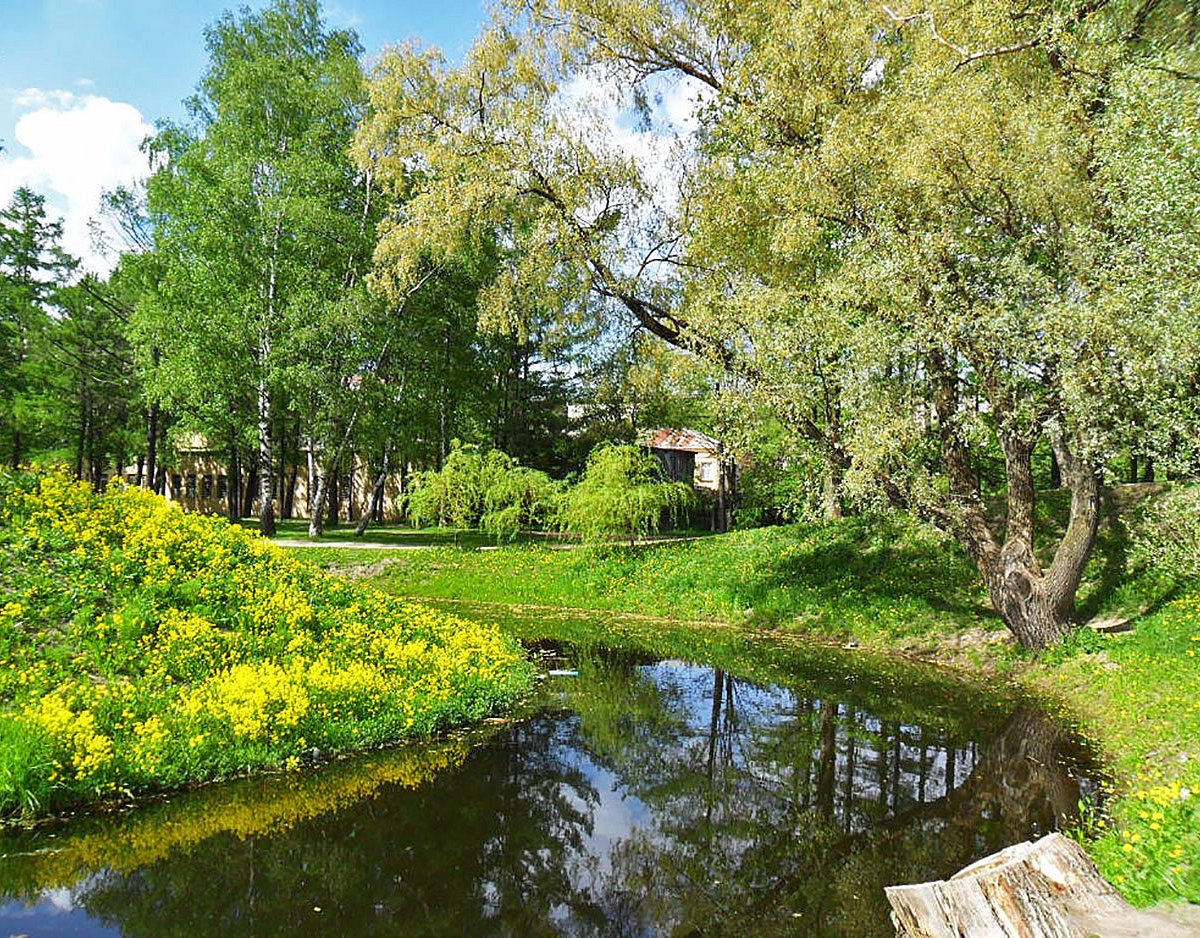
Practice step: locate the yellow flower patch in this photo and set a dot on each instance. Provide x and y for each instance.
(191, 648)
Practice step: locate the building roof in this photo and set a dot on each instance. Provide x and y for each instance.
(691, 441)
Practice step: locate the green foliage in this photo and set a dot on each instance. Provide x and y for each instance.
(143, 648)
(1168, 536)
(33, 271)
(262, 233)
(484, 488)
(622, 495)
(921, 240)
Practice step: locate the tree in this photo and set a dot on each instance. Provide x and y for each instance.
(90, 390)
(622, 494)
(262, 223)
(900, 229)
(488, 489)
(33, 267)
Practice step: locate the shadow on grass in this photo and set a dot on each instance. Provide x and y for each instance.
(869, 562)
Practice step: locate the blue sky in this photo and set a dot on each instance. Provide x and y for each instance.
(81, 81)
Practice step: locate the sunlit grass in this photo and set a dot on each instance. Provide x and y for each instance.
(889, 583)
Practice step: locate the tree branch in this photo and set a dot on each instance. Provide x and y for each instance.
(966, 56)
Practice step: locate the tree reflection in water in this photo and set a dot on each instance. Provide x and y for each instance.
(646, 798)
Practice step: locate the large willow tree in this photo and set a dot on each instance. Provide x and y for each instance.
(923, 234)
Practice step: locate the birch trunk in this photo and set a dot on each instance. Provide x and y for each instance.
(266, 468)
(376, 502)
(316, 507)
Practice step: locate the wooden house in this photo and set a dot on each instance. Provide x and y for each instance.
(701, 461)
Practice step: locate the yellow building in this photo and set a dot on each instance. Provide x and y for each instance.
(200, 481)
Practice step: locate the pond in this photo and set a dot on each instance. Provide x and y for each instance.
(770, 789)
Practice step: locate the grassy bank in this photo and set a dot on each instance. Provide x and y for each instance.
(887, 583)
(858, 577)
(1138, 695)
(145, 648)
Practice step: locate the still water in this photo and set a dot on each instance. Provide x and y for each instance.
(765, 791)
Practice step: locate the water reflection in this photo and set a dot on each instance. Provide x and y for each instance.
(644, 798)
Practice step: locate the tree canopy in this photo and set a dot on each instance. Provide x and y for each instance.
(941, 254)
(924, 238)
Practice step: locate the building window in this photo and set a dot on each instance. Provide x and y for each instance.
(206, 487)
(222, 486)
(176, 485)
(191, 485)
(708, 472)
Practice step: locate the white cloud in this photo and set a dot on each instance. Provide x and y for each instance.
(77, 146)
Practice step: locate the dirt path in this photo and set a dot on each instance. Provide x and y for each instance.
(350, 545)
(375, 545)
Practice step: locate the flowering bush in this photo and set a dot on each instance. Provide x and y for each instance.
(144, 647)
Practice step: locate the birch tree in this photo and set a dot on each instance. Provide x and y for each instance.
(263, 221)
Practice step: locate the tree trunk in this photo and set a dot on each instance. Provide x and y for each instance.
(1050, 889)
(151, 445)
(281, 457)
(266, 469)
(335, 496)
(247, 496)
(80, 443)
(266, 466)
(316, 507)
(233, 485)
(1039, 605)
(831, 495)
(403, 501)
(290, 499)
(375, 507)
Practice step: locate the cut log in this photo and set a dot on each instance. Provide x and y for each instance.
(1047, 889)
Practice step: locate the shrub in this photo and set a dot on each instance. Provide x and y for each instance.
(622, 494)
(485, 489)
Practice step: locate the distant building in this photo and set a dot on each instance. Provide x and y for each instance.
(200, 481)
(698, 459)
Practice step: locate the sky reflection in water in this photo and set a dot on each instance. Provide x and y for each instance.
(643, 797)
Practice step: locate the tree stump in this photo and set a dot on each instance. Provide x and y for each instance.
(1048, 889)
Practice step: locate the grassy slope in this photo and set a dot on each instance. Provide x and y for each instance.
(888, 583)
(855, 577)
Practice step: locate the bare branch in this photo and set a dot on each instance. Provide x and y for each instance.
(966, 56)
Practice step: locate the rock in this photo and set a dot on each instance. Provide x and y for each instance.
(1110, 624)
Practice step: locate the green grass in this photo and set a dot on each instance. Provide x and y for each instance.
(403, 536)
(1138, 694)
(872, 579)
(854, 578)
